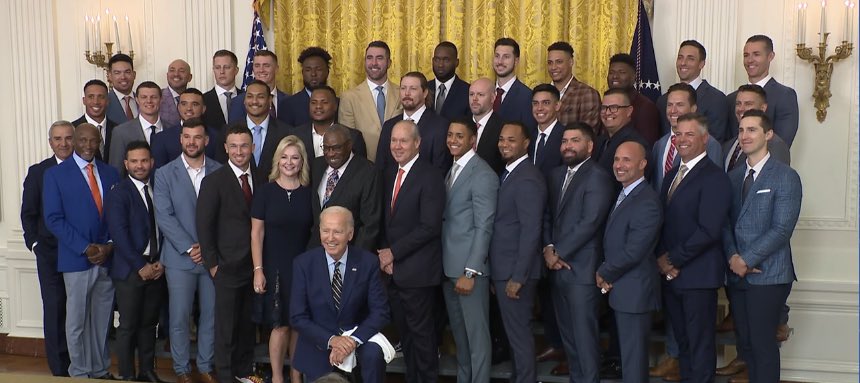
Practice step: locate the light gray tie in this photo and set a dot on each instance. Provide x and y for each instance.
(229, 96)
(567, 178)
(621, 197)
(440, 98)
(682, 171)
(380, 104)
(450, 181)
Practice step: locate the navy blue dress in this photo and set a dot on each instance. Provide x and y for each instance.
(288, 219)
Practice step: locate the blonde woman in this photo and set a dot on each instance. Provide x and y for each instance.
(281, 220)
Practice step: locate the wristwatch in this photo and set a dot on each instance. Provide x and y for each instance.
(470, 274)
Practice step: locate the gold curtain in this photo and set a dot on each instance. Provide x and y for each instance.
(412, 28)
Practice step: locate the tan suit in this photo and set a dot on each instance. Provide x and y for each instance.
(358, 110)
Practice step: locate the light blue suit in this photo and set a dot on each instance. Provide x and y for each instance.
(175, 212)
(467, 228)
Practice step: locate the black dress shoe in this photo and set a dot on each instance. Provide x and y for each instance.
(149, 376)
(107, 376)
(611, 370)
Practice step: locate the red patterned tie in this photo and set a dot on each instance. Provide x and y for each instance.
(670, 157)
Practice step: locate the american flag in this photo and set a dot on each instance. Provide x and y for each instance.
(257, 43)
(647, 79)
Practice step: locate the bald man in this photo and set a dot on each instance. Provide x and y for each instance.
(178, 77)
(481, 97)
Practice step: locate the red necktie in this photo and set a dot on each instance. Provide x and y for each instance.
(670, 157)
(273, 112)
(94, 188)
(498, 101)
(397, 184)
(246, 188)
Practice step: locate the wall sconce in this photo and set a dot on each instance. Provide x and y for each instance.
(822, 63)
(93, 34)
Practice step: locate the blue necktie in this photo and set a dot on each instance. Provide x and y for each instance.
(504, 175)
(258, 143)
(539, 148)
(380, 104)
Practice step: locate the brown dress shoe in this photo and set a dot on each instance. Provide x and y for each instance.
(783, 332)
(666, 366)
(560, 370)
(674, 376)
(206, 377)
(184, 378)
(735, 366)
(550, 353)
(741, 377)
(727, 324)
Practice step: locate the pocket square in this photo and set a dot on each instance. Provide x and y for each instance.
(763, 191)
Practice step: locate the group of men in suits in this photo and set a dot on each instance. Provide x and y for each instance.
(488, 186)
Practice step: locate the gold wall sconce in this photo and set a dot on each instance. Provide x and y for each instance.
(93, 33)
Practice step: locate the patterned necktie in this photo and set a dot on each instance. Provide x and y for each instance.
(246, 189)
(273, 111)
(397, 184)
(440, 98)
(258, 143)
(670, 157)
(735, 155)
(539, 148)
(380, 104)
(102, 143)
(451, 174)
(498, 101)
(127, 106)
(94, 187)
(678, 178)
(336, 285)
(153, 229)
(621, 197)
(176, 100)
(329, 185)
(748, 182)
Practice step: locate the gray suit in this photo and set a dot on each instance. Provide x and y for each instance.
(631, 235)
(122, 135)
(574, 226)
(467, 226)
(115, 111)
(776, 146)
(175, 210)
(515, 256)
(714, 150)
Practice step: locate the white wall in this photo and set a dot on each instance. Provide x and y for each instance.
(46, 70)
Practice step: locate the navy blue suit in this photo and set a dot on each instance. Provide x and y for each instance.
(297, 108)
(550, 157)
(433, 130)
(781, 108)
(166, 146)
(237, 108)
(710, 102)
(692, 238)
(456, 99)
(631, 234)
(43, 244)
(517, 105)
(313, 315)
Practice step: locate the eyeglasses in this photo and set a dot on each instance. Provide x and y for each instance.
(612, 108)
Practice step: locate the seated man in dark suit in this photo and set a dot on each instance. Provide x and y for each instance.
(137, 271)
(322, 109)
(629, 271)
(432, 127)
(513, 98)
(449, 94)
(315, 63)
(337, 288)
(95, 112)
(696, 199)
(344, 178)
(165, 144)
(219, 99)
(515, 261)
(43, 244)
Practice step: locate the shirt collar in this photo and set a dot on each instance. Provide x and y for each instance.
(187, 166)
(417, 115)
(513, 165)
(342, 168)
(94, 122)
(690, 165)
(330, 261)
(508, 85)
(696, 82)
(632, 186)
(82, 163)
(121, 95)
(763, 81)
(145, 124)
(373, 85)
(566, 86)
(483, 120)
(174, 93)
(548, 129)
(251, 124)
(579, 165)
(465, 158)
(219, 90)
(238, 172)
(137, 183)
(448, 84)
(758, 166)
(409, 164)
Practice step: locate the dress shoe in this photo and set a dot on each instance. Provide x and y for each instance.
(666, 366)
(107, 376)
(611, 370)
(674, 376)
(561, 369)
(735, 366)
(500, 355)
(550, 353)
(727, 324)
(206, 377)
(783, 332)
(184, 378)
(741, 377)
(149, 376)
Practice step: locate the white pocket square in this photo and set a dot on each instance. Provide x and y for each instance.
(763, 191)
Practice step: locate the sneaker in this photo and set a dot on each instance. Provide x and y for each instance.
(250, 379)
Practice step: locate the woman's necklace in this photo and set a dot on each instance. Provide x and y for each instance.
(287, 189)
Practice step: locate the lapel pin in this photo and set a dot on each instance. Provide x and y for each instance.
(354, 269)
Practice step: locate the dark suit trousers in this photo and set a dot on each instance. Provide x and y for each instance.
(516, 316)
(633, 331)
(53, 309)
(414, 313)
(691, 314)
(547, 313)
(234, 331)
(576, 307)
(139, 304)
(756, 310)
